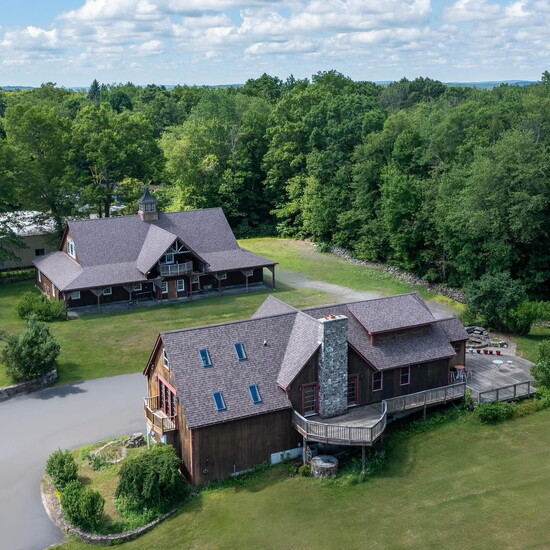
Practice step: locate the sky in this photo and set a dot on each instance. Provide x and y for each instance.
(72, 42)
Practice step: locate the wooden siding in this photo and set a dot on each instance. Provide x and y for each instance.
(307, 375)
(45, 285)
(222, 449)
(460, 358)
(27, 255)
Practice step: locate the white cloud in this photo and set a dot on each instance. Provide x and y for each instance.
(152, 47)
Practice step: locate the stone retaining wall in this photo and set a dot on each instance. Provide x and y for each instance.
(452, 293)
(28, 387)
(55, 512)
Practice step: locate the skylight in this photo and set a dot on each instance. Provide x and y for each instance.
(239, 350)
(205, 358)
(255, 394)
(218, 400)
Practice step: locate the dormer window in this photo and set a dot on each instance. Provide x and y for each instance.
(218, 400)
(70, 248)
(239, 351)
(205, 358)
(255, 394)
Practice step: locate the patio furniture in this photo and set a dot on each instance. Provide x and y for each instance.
(498, 362)
(509, 363)
(460, 372)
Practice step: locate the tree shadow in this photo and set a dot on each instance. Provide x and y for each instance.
(59, 391)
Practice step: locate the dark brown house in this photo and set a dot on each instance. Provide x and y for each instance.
(150, 255)
(232, 395)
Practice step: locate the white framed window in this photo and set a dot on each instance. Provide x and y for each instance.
(75, 295)
(136, 286)
(405, 376)
(70, 248)
(39, 275)
(164, 287)
(165, 359)
(107, 291)
(195, 279)
(181, 285)
(221, 276)
(376, 381)
(53, 290)
(167, 258)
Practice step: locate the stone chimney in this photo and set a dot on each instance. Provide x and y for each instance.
(333, 365)
(147, 207)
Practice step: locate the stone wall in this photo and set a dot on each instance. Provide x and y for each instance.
(55, 513)
(28, 387)
(333, 365)
(410, 278)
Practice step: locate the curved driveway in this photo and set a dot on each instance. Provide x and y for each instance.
(34, 425)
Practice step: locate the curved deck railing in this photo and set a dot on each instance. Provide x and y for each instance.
(341, 434)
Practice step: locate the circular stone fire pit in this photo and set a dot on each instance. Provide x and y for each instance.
(324, 466)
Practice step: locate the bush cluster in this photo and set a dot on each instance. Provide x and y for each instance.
(62, 468)
(497, 411)
(31, 354)
(33, 303)
(82, 507)
(151, 480)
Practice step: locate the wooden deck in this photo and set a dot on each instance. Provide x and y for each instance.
(511, 379)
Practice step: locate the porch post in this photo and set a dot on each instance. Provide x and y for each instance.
(304, 451)
(191, 286)
(246, 277)
(272, 269)
(98, 305)
(362, 459)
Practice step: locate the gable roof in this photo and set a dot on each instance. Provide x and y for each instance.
(279, 341)
(127, 247)
(196, 384)
(391, 313)
(156, 243)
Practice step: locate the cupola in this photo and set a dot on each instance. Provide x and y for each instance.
(147, 207)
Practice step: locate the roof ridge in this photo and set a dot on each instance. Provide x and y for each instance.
(363, 301)
(238, 321)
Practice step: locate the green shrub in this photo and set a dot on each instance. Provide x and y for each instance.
(304, 470)
(151, 479)
(497, 411)
(34, 303)
(323, 247)
(31, 354)
(541, 369)
(542, 398)
(82, 507)
(525, 408)
(62, 468)
(97, 462)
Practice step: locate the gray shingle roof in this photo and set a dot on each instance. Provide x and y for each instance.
(196, 384)
(302, 344)
(453, 329)
(392, 312)
(291, 339)
(123, 249)
(156, 243)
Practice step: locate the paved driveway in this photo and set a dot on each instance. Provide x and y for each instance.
(34, 425)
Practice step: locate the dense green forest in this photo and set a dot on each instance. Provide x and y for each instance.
(450, 183)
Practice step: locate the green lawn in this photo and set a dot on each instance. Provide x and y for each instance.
(459, 486)
(100, 345)
(528, 346)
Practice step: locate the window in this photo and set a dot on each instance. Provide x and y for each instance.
(180, 285)
(353, 383)
(107, 291)
(136, 286)
(456, 347)
(149, 206)
(39, 252)
(165, 359)
(195, 279)
(167, 258)
(405, 375)
(39, 275)
(164, 287)
(221, 276)
(70, 248)
(205, 358)
(255, 394)
(75, 295)
(167, 398)
(376, 381)
(53, 290)
(239, 351)
(218, 400)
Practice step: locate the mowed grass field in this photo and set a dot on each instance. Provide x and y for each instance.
(460, 486)
(108, 344)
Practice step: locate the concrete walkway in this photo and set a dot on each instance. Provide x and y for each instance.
(34, 425)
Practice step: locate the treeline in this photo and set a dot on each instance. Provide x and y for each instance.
(450, 183)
